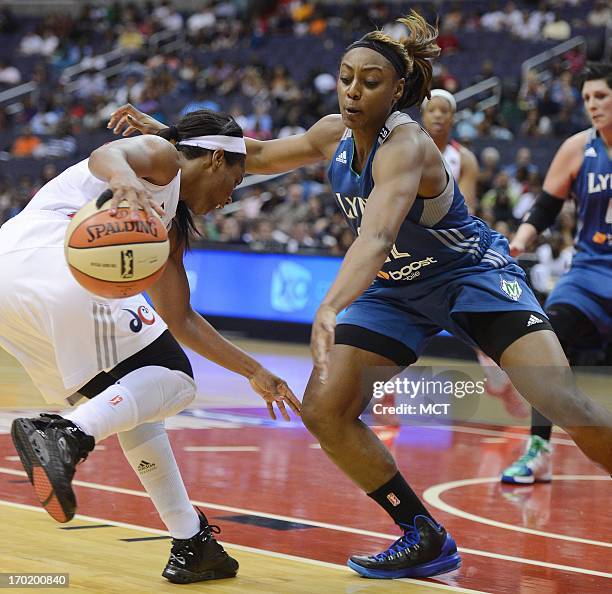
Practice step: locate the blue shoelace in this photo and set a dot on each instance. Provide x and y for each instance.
(410, 538)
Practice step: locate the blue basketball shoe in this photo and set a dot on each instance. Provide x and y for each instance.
(426, 549)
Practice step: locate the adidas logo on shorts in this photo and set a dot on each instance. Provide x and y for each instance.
(341, 158)
(145, 467)
(534, 320)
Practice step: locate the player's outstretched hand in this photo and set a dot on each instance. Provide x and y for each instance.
(273, 389)
(322, 339)
(126, 120)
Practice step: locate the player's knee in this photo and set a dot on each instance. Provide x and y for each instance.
(185, 387)
(311, 416)
(140, 435)
(175, 389)
(319, 420)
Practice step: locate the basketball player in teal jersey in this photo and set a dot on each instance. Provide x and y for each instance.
(580, 305)
(420, 263)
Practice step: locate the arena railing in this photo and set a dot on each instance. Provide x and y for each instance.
(99, 62)
(488, 91)
(166, 41)
(539, 61)
(12, 94)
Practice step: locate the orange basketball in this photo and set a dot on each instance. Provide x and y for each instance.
(115, 257)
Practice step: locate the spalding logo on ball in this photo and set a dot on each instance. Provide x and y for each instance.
(115, 257)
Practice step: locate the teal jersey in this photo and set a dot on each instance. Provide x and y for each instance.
(438, 234)
(592, 190)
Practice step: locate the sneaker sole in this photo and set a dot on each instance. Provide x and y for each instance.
(525, 480)
(436, 567)
(176, 575)
(38, 463)
(16, 436)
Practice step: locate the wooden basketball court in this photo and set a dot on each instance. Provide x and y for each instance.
(291, 518)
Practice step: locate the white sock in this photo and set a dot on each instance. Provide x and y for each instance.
(147, 449)
(147, 394)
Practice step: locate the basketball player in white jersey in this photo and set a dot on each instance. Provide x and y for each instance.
(438, 114)
(120, 353)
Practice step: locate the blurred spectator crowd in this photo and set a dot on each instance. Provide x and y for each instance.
(272, 65)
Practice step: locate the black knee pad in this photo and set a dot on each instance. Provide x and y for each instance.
(574, 330)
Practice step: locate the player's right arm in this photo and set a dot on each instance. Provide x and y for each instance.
(263, 156)
(557, 187)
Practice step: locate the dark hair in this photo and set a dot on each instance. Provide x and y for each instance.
(415, 53)
(203, 122)
(597, 71)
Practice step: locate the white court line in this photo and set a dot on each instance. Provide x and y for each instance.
(423, 582)
(221, 449)
(432, 496)
(498, 433)
(335, 527)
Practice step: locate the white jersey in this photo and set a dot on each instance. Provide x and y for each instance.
(76, 186)
(62, 334)
(452, 156)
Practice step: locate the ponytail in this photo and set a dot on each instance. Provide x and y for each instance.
(410, 56)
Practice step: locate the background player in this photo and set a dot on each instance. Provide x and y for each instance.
(70, 341)
(382, 167)
(438, 115)
(580, 305)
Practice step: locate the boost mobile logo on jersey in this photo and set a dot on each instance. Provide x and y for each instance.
(143, 315)
(290, 287)
(408, 272)
(127, 263)
(511, 288)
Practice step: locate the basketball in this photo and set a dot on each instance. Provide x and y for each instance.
(115, 256)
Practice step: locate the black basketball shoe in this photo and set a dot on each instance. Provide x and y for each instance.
(50, 448)
(426, 549)
(199, 558)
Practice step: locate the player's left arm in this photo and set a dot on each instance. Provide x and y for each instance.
(171, 299)
(468, 178)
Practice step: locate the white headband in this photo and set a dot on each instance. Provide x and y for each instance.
(231, 144)
(441, 93)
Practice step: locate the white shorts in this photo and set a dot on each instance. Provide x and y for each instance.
(60, 333)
